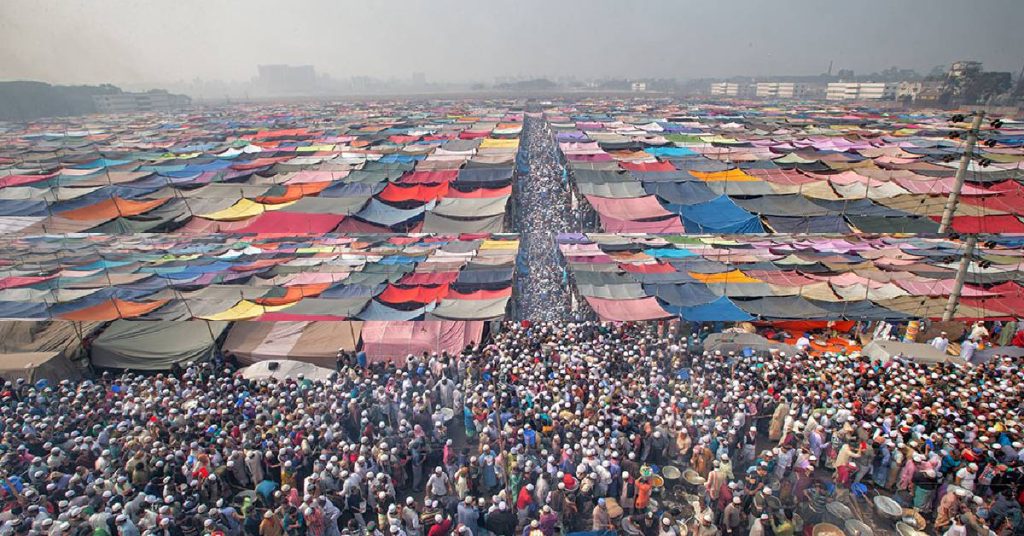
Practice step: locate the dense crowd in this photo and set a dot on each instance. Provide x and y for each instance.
(543, 209)
(545, 428)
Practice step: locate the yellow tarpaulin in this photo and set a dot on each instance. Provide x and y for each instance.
(492, 143)
(734, 276)
(245, 310)
(243, 209)
(499, 244)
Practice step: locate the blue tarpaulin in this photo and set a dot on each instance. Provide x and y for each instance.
(719, 215)
(720, 310)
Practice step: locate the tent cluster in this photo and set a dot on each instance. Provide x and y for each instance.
(735, 278)
(402, 167)
(221, 278)
(57, 349)
(713, 169)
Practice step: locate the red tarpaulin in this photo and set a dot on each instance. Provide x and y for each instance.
(294, 192)
(24, 281)
(418, 294)
(648, 166)
(394, 341)
(628, 310)
(985, 224)
(420, 192)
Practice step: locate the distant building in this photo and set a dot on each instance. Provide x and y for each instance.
(908, 90)
(638, 87)
(775, 90)
(156, 100)
(725, 89)
(860, 91)
(287, 79)
(963, 69)
(932, 93)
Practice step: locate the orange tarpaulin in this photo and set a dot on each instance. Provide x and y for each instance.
(732, 175)
(295, 293)
(112, 310)
(294, 192)
(648, 166)
(418, 294)
(420, 192)
(113, 208)
(734, 276)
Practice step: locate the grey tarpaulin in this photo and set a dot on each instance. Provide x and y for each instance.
(471, 309)
(436, 223)
(141, 345)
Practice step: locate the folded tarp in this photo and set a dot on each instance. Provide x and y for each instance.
(881, 224)
(376, 310)
(485, 309)
(470, 207)
(720, 215)
(383, 214)
(680, 193)
(668, 225)
(782, 205)
(612, 292)
(318, 309)
(615, 190)
(33, 366)
(436, 223)
(311, 342)
(627, 310)
(484, 175)
(155, 345)
(393, 342)
(720, 310)
(682, 295)
(783, 308)
(808, 224)
(328, 205)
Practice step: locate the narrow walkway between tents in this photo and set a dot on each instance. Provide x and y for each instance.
(542, 210)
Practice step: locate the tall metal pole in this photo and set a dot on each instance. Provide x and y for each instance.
(961, 173)
(961, 274)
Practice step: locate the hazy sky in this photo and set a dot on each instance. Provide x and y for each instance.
(148, 41)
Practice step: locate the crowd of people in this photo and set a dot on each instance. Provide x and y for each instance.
(545, 428)
(543, 210)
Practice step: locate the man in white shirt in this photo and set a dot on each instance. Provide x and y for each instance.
(940, 343)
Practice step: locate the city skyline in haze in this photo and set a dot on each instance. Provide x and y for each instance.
(457, 41)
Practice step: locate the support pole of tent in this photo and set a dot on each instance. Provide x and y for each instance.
(961, 173)
(961, 274)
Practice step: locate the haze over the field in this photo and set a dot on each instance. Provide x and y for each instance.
(145, 41)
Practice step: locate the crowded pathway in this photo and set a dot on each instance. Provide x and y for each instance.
(545, 428)
(542, 210)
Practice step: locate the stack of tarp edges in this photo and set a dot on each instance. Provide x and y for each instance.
(268, 277)
(265, 169)
(657, 167)
(732, 278)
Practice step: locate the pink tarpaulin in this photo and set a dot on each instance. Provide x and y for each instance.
(940, 287)
(668, 225)
(292, 222)
(627, 310)
(394, 341)
(631, 208)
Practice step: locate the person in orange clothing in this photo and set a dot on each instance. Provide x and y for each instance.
(643, 493)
